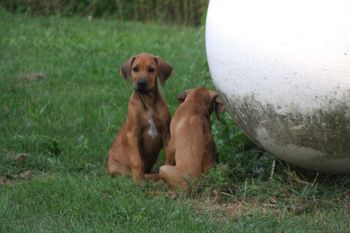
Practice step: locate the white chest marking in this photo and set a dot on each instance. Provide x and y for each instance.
(152, 129)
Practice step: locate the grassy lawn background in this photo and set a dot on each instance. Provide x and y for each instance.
(55, 133)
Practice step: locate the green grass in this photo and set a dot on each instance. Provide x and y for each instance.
(55, 134)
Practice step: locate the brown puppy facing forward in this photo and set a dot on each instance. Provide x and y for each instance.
(146, 130)
(191, 146)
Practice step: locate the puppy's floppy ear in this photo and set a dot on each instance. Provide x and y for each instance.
(164, 70)
(125, 69)
(217, 104)
(182, 96)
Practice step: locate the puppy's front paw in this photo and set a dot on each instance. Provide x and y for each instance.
(154, 177)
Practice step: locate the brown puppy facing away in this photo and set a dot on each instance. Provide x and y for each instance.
(146, 130)
(191, 146)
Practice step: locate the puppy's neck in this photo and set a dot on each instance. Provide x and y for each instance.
(148, 99)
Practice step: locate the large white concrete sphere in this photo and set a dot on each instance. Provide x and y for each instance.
(283, 70)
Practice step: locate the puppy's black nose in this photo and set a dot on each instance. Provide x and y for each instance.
(141, 84)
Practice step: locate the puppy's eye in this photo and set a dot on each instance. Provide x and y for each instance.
(151, 69)
(135, 69)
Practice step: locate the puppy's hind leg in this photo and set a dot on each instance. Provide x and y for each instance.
(173, 176)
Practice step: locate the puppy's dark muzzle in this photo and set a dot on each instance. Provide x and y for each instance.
(141, 85)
